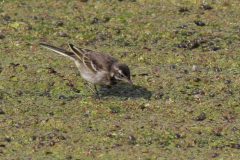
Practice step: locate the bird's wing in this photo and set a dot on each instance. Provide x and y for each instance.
(63, 52)
(95, 61)
(77, 51)
(90, 62)
(82, 55)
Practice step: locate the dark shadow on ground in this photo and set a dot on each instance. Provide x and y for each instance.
(124, 91)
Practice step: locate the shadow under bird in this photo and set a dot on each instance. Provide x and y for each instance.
(95, 67)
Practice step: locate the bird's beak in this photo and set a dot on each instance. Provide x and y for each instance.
(129, 81)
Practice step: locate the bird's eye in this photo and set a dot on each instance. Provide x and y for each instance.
(121, 75)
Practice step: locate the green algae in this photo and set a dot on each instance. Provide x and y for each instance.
(100, 129)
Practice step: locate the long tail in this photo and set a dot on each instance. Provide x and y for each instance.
(63, 52)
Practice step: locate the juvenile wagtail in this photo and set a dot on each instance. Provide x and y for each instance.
(95, 67)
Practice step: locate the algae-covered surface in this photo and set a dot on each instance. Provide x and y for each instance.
(184, 58)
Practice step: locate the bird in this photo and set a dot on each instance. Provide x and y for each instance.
(95, 67)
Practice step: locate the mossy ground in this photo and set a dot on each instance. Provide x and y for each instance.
(42, 118)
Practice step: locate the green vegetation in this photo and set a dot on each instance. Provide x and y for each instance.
(187, 102)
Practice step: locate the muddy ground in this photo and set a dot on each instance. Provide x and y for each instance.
(184, 60)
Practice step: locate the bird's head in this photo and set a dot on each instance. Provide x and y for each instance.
(120, 72)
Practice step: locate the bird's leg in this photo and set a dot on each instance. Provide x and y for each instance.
(96, 89)
(95, 93)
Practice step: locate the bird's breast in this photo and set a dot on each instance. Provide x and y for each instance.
(98, 78)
